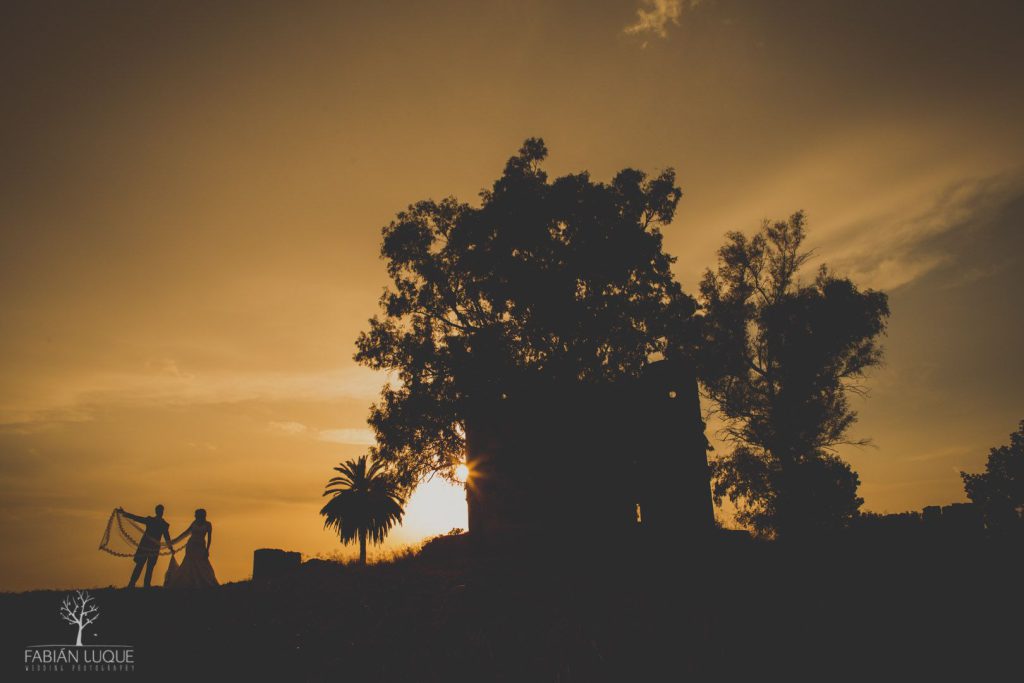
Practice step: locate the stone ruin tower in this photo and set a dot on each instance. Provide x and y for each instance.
(549, 457)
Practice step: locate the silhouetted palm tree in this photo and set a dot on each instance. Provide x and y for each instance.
(365, 503)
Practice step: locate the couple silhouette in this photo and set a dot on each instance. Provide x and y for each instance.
(195, 570)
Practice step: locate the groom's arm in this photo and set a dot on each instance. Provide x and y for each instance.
(131, 516)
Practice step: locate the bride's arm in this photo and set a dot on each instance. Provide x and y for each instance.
(209, 536)
(183, 535)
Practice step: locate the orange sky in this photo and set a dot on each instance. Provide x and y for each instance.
(192, 195)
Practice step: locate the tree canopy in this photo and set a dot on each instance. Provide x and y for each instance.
(565, 277)
(999, 490)
(778, 358)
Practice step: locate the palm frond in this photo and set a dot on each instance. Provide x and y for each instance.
(364, 499)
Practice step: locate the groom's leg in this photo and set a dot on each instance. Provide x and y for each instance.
(135, 572)
(150, 563)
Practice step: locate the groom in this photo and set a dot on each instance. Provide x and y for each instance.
(149, 546)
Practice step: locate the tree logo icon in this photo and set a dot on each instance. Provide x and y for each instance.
(79, 609)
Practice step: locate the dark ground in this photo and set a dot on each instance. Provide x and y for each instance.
(907, 610)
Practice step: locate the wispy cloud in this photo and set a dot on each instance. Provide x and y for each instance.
(885, 203)
(899, 245)
(959, 452)
(349, 436)
(289, 427)
(76, 399)
(655, 16)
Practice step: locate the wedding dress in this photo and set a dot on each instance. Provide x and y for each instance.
(195, 571)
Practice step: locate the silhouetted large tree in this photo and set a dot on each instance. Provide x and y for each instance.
(566, 278)
(999, 490)
(778, 358)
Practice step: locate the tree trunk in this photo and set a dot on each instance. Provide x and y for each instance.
(784, 522)
(79, 641)
(362, 547)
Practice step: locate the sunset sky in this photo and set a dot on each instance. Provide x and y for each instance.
(192, 195)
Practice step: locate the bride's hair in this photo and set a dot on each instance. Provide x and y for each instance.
(201, 514)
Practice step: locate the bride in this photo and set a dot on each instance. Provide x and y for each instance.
(195, 570)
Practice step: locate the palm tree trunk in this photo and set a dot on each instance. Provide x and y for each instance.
(362, 546)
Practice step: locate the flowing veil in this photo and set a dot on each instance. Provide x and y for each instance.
(122, 535)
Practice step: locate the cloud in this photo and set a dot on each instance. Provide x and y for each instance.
(289, 427)
(165, 366)
(654, 16)
(899, 244)
(76, 399)
(886, 203)
(958, 452)
(348, 436)
(351, 437)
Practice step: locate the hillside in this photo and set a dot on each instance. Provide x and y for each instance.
(458, 612)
